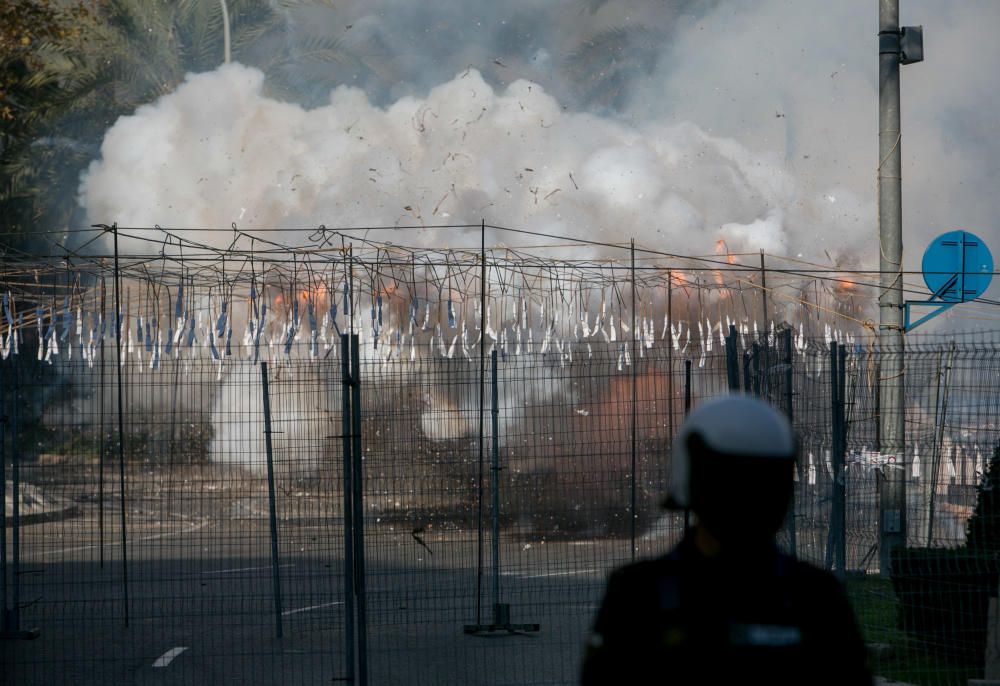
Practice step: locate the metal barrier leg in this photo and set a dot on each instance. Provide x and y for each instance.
(272, 505)
(11, 627)
(501, 611)
(348, 468)
(359, 513)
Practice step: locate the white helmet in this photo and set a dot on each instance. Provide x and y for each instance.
(733, 426)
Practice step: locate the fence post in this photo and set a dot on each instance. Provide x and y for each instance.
(687, 387)
(359, 512)
(272, 509)
(482, 427)
(104, 434)
(935, 456)
(171, 447)
(763, 291)
(15, 468)
(10, 622)
(758, 385)
(687, 411)
(834, 433)
(789, 412)
(121, 425)
(498, 612)
(345, 428)
(501, 611)
(941, 399)
(835, 552)
(841, 470)
(732, 365)
(670, 356)
(5, 618)
(635, 417)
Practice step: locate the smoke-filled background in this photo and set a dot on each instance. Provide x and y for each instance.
(680, 123)
(716, 134)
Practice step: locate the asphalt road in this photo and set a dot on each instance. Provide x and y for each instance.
(202, 610)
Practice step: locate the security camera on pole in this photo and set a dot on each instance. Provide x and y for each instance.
(896, 45)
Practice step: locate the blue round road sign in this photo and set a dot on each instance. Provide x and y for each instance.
(957, 267)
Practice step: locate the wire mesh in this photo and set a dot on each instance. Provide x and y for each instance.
(211, 537)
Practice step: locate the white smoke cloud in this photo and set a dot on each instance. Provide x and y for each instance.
(217, 151)
(799, 79)
(758, 127)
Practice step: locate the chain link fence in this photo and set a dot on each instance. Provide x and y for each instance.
(192, 534)
(375, 509)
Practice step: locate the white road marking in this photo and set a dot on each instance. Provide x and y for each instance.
(242, 569)
(153, 537)
(571, 572)
(168, 657)
(311, 607)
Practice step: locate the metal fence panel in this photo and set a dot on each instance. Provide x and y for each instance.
(435, 511)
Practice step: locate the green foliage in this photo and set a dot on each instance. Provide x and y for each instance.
(26, 26)
(944, 593)
(129, 53)
(983, 529)
(901, 658)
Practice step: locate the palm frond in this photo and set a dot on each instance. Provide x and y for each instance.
(314, 48)
(591, 6)
(605, 63)
(136, 51)
(296, 4)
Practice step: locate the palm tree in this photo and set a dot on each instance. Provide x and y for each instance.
(604, 63)
(135, 52)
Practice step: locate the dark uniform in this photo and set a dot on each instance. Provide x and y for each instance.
(757, 618)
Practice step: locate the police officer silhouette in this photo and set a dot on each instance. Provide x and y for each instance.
(725, 605)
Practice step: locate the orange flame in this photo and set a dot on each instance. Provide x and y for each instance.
(313, 293)
(845, 287)
(721, 248)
